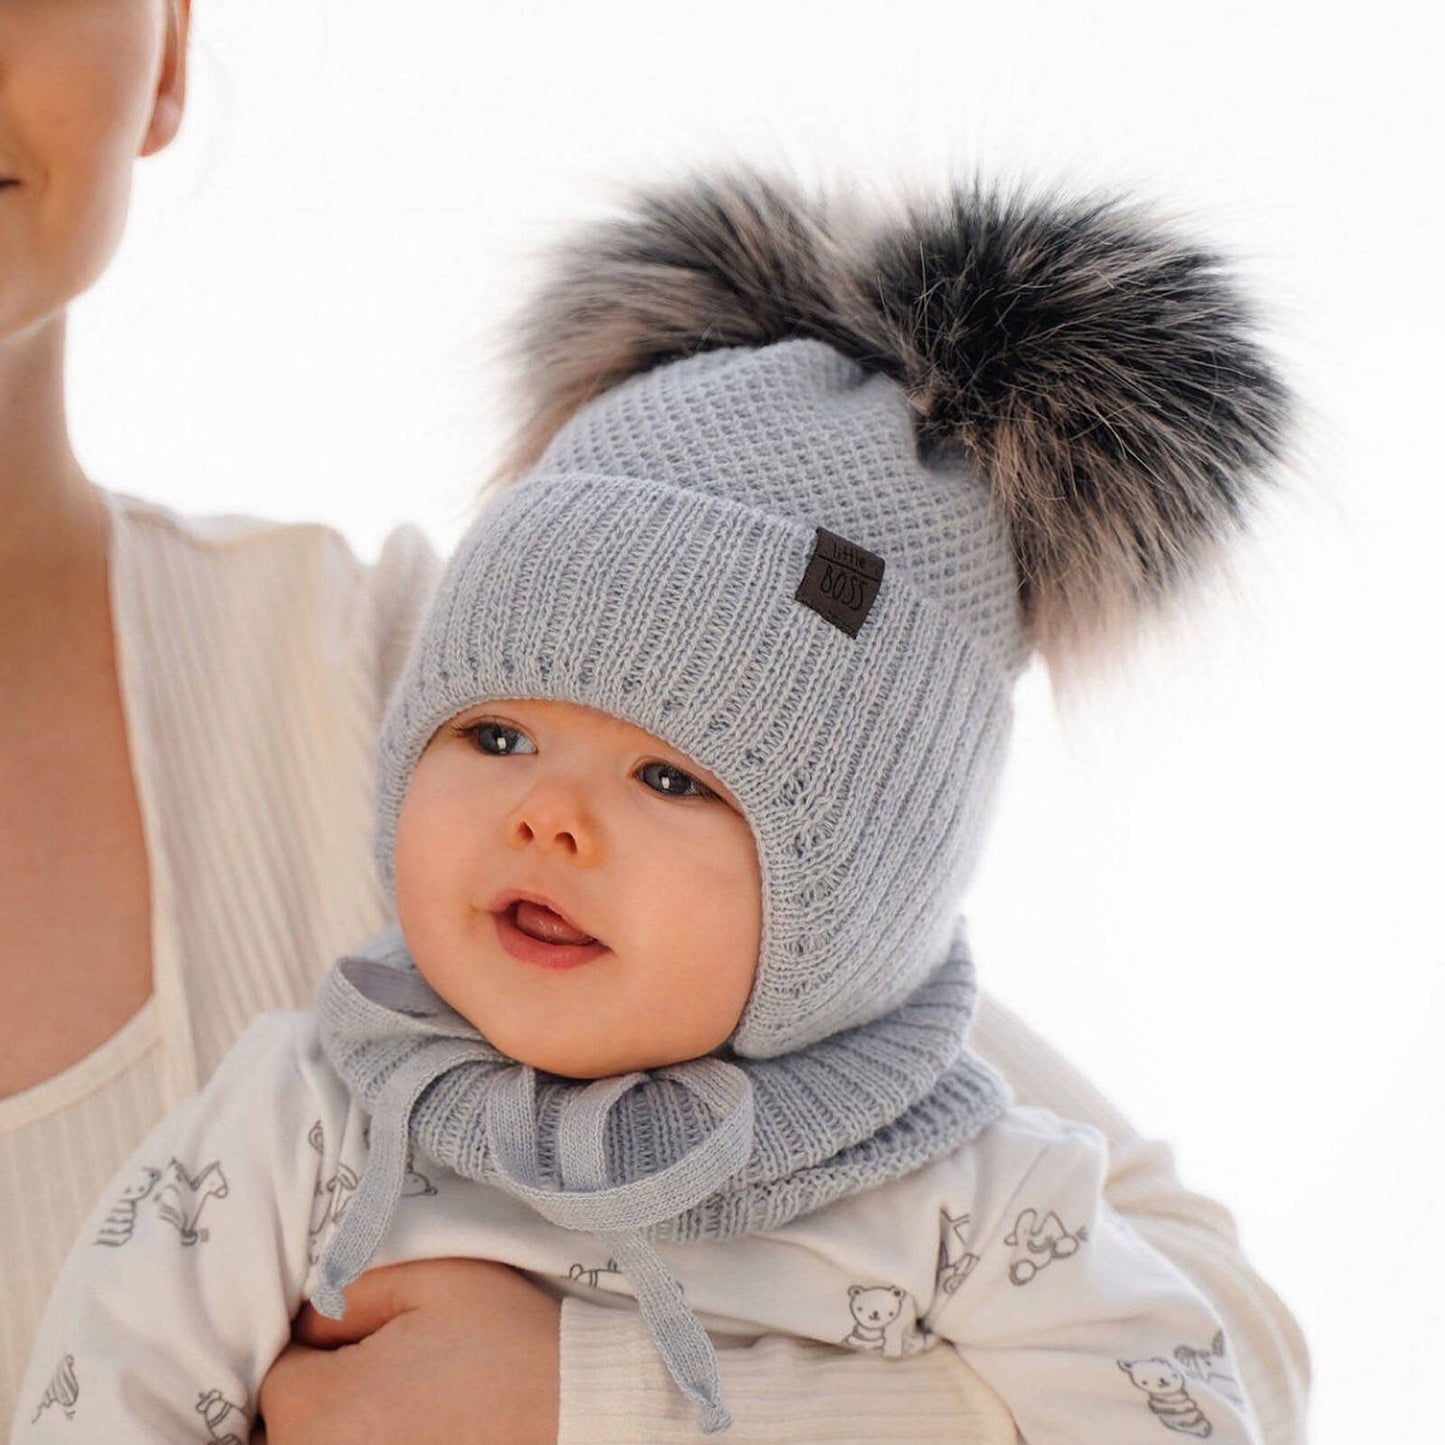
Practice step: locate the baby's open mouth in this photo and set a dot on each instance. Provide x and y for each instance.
(541, 923)
(534, 932)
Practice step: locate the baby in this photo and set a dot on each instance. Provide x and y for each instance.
(678, 797)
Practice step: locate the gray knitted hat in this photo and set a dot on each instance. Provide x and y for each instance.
(800, 497)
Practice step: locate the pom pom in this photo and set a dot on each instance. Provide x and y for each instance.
(1102, 374)
(730, 261)
(1099, 371)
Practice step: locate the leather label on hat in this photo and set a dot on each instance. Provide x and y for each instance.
(841, 581)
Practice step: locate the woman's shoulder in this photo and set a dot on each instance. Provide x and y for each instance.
(220, 534)
(300, 584)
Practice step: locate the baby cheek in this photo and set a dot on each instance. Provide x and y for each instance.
(710, 873)
(430, 860)
(731, 910)
(439, 924)
(740, 880)
(413, 888)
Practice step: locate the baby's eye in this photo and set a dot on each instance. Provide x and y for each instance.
(498, 740)
(675, 783)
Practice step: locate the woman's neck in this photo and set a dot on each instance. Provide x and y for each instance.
(51, 518)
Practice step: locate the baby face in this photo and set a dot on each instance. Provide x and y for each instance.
(584, 894)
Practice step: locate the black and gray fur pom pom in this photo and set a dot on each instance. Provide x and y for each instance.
(1101, 371)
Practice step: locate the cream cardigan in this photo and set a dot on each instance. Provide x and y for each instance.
(254, 661)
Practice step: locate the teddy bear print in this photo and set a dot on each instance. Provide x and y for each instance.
(873, 1310)
(220, 1414)
(885, 1321)
(1037, 1243)
(1211, 1369)
(955, 1263)
(120, 1221)
(183, 1196)
(1171, 1403)
(63, 1390)
(592, 1276)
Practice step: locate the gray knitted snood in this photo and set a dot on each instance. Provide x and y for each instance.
(709, 1149)
(750, 552)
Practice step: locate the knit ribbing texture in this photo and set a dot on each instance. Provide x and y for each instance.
(649, 568)
(710, 1149)
(665, 563)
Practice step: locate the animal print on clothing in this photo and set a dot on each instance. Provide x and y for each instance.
(592, 1276)
(1037, 1243)
(1211, 1369)
(1168, 1399)
(63, 1390)
(183, 1196)
(120, 1222)
(885, 1321)
(328, 1203)
(955, 1262)
(220, 1414)
(171, 1194)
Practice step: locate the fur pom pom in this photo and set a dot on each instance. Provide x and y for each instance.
(1100, 371)
(737, 261)
(1103, 374)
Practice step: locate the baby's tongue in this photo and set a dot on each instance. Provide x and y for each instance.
(542, 923)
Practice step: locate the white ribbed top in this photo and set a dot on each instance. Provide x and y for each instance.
(253, 660)
(253, 663)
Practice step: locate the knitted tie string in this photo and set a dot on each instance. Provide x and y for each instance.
(372, 1207)
(746, 1144)
(619, 1213)
(586, 1201)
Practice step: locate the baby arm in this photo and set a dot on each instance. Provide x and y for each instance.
(1193, 1232)
(1077, 1322)
(179, 1290)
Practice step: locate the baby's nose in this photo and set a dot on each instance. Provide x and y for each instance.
(540, 831)
(555, 817)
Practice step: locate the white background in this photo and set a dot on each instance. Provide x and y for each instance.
(1209, 879)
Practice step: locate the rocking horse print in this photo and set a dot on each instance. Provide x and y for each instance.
(330, 1198)
(955, 1260)
(183, 1196)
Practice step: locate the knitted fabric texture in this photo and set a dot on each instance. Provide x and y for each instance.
(649, 568)
(709, 1149)
(740, 549)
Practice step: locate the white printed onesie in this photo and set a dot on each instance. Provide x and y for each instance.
(178, 1293)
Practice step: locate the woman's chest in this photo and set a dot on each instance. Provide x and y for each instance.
(74, 880)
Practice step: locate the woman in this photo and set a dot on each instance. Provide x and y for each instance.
(176, 817)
